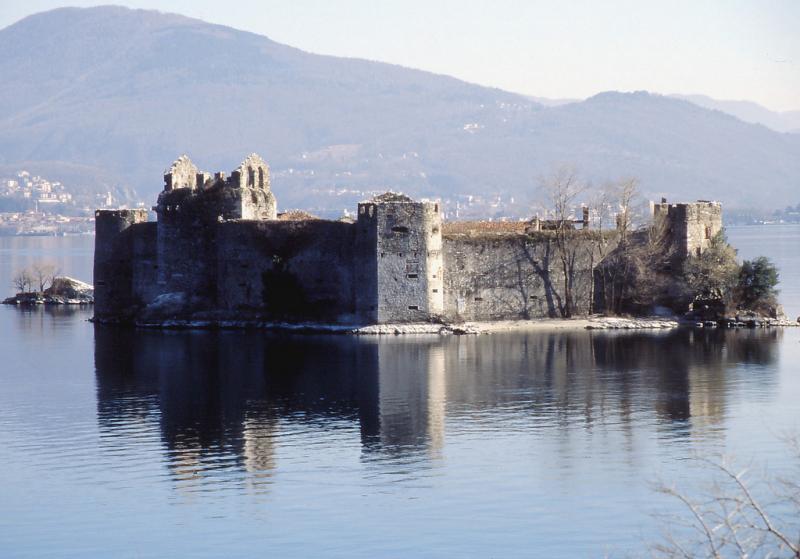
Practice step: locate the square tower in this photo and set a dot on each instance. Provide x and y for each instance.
(690, 226)
(400, 242)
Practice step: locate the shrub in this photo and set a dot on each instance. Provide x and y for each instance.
(756, 285)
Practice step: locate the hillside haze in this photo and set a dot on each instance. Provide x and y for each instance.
(110, 96)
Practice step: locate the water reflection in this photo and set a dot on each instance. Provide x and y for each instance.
(225, 401)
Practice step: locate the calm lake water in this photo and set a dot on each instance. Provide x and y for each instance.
(126, 443)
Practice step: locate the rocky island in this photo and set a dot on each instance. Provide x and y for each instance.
(62, 290)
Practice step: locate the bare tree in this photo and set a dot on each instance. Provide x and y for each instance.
(736, 516)
(22, 281)
(562, 189)
(629, 265)
(626, 191)
(43, 275)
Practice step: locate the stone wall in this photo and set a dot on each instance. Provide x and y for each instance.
(144, 266)
(287, 270)
(181, 174)
(113, 261)
(514, 276)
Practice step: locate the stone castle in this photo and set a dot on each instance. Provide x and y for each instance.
(219, 251)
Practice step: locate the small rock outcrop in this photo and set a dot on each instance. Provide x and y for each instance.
(63, 291)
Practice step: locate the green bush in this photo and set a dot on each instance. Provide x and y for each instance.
(756, 285)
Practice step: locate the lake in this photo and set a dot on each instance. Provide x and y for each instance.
(136, 443)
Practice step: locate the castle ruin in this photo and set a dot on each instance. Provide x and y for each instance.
(219, 251)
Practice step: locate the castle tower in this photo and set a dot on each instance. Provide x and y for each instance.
(400, 266)
(113, 250)
(691, 226)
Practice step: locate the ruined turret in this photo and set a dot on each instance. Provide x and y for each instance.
(690, 226)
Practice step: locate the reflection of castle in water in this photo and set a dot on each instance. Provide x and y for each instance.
(227, 397)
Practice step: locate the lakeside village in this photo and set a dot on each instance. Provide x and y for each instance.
(220, 255)
(32, 205)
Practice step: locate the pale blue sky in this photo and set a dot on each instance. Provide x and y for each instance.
(728, 49)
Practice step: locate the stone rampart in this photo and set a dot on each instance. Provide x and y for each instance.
(287, 270)
(516, 276)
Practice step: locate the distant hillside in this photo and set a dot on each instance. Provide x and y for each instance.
(786, 121)
(114, 95)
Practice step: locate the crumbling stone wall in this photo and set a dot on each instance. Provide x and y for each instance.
(181, 174)
(691, 226)
(513, 276)
(252, 180)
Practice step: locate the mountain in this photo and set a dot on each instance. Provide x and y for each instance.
(780, 121)
(113, 95)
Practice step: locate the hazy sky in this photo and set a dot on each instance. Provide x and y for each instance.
(728, 49)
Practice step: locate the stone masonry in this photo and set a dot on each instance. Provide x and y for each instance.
(220, 252)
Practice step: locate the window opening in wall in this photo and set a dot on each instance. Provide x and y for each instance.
(479, 299)
(708, 232)
(401, 255)
(260, 177)
(436, 291)
(436, 208)
(383, 254)
(251, 177)
(415, 255)
(400, 229)
(412, 276)
(435, 230)
(413, 307)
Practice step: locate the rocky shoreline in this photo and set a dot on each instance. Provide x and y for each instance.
(439, 329)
